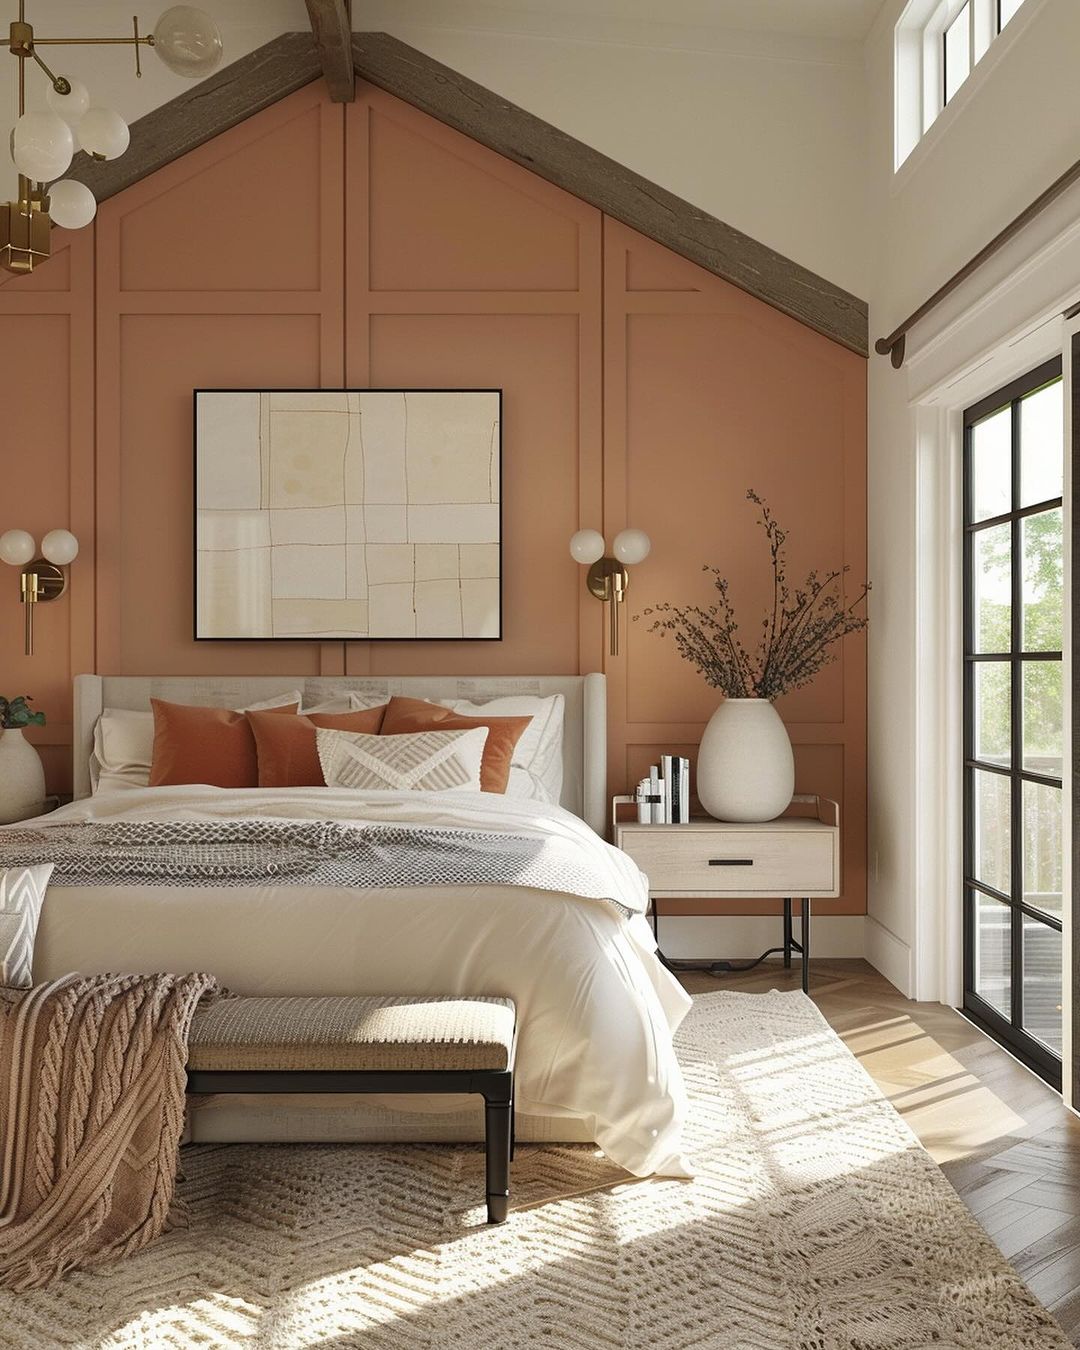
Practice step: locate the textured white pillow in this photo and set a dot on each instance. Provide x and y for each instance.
(361, 702)
(22, 891)
(333, 703)
(423, 761)
(124, 744)
(536, 769)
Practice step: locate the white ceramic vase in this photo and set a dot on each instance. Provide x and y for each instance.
(22, 779)
(745, 768)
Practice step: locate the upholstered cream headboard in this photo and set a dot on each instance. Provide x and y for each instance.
(584, 737)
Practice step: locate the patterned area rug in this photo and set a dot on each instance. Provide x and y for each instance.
(817, 1222)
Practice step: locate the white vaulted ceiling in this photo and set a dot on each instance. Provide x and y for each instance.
(843, 19)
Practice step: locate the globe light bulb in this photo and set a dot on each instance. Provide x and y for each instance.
(587, 546)
(71, 204)
(103, 133)
(70, 106)
(17, 548)
(60, 547)
(42, 146)
(631, 546)
(188, 41)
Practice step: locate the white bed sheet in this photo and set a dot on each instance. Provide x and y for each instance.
(596, 1009)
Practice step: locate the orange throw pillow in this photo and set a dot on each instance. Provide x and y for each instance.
(413, 714)
(288, 756)
(204, 745)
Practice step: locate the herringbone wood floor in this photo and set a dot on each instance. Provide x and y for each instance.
(1003, 1138)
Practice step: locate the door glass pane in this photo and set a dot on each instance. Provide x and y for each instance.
(1043, 581)
(1008, 9)
(993, 713)
(991, 466)
(991, 584)
(957, 51)
(992, 952)
(1042, 717)
(1042, 846)
(1042, 983)
(1042, 459)
(993, 832)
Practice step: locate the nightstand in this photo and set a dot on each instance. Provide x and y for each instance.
(793, 857)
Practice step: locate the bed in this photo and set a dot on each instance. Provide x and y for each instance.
(552, 917)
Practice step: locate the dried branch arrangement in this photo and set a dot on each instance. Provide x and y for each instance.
(798, 638)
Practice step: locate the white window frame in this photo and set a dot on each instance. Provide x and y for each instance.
(920, 66)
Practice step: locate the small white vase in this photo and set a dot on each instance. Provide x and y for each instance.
(22, 779)
(745, 768)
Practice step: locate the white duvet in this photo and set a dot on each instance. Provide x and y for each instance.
(596, 1009)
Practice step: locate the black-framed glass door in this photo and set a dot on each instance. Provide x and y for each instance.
(1013, 722)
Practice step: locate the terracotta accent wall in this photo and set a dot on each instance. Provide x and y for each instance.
(320, 245)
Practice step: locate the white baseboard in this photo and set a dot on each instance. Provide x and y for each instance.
(697, 937)
(888, 954)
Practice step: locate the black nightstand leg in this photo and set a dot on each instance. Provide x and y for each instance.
(656, 937)
(787, 933)
(804, 907)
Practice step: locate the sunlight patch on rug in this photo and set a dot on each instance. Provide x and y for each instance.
(815, 1219)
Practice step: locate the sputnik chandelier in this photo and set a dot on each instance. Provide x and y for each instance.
(44, 140)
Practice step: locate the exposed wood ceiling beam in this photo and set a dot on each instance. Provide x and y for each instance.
(256, 81)
(232, 94)
(644, 206)
(332, 26)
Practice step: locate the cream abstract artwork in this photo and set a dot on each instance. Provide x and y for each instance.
(353, 514)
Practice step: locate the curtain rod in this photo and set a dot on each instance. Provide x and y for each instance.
(893, 345)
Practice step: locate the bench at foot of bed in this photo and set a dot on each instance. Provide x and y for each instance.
(367, 1044)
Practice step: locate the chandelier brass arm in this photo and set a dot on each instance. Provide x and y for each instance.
(44, 142)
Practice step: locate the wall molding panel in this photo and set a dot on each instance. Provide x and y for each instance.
(288, 62)
(370, 244)
(708, 393)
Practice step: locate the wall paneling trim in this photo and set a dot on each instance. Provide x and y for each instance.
(368, 244)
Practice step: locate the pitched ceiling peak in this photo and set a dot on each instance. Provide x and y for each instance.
(289, 62)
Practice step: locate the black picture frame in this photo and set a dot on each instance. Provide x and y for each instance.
(351, 389)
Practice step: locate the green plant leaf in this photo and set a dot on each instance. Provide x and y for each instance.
(15, 713)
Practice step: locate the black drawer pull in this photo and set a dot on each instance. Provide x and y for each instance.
(731, 862)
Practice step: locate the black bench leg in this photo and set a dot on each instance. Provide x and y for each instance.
(497, 1124)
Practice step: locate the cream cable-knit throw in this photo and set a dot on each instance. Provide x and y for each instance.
(92, 1077)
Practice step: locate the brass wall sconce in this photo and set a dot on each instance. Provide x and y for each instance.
(41, 578)
(608, 578)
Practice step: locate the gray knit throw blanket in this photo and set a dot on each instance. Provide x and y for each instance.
(318, 853)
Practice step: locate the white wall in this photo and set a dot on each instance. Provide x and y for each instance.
(764, 130)
(1009, 135)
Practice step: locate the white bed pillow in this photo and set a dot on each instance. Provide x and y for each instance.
(124, 744)
(22, 892)
(346, 700)
(422, 761)
(536, 768)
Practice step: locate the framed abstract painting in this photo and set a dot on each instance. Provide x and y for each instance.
(354, 514)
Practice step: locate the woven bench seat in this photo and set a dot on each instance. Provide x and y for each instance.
(376, 1043)
(358, 1034)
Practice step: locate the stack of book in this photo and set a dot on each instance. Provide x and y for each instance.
(664, 797)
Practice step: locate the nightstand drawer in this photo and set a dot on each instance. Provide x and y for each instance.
(778, 862)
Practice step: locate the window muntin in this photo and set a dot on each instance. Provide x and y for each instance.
(1013, 716)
